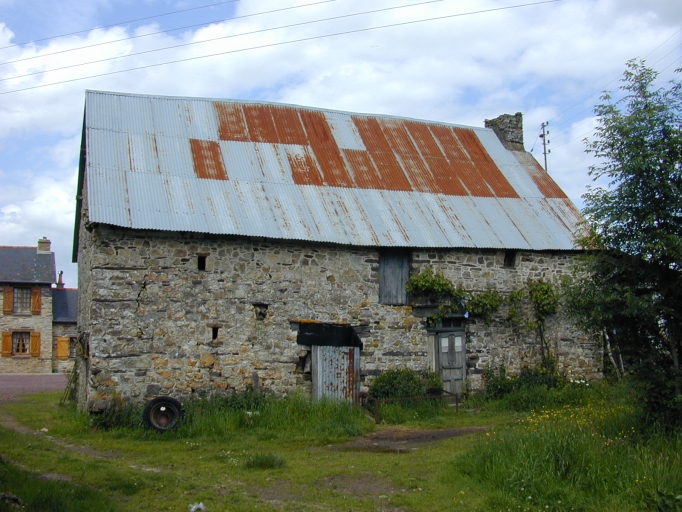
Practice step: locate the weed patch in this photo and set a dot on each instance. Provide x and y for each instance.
(265, 461)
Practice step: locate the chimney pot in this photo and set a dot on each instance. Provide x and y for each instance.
(60, 282)
(44, 246)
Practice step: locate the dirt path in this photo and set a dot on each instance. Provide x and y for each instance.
(402, 439)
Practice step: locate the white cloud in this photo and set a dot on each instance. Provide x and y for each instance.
(543, 60)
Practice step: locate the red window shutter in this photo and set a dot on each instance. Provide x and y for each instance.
(36, 299)
(62, 347)
(6, 344)
(8, 301)
(35, 344)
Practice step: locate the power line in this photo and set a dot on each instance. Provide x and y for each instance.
(283, 43)
(604, 87)
(161, 32)
(119, 23)
(220, 38)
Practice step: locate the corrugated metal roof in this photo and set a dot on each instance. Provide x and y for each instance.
(289, 172)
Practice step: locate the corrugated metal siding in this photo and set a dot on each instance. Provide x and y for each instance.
(336, 373)
(287, 172)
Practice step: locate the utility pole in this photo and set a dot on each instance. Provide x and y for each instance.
(545, 142)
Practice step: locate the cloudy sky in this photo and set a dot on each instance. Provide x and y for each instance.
(459, 61)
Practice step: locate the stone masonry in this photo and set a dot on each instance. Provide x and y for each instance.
(152, 323)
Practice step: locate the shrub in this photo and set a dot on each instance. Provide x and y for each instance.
(398, 383)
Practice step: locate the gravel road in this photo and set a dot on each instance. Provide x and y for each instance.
(11, 386)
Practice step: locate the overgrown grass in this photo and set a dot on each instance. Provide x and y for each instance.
(250, 413)
(586, 457)
(47, 496)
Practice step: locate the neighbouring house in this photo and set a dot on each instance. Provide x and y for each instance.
(26, 278)
(38, 321)
(64, 327)
(227, 243)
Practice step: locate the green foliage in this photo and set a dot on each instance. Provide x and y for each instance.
(587, 458)
(397, 383)
(632, 290)
(265, 461)
(48, 496)
(434, 287)
(514, 299)
(544, 298)
(485, 304)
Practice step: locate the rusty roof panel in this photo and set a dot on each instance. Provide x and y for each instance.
(542, 179)
(208, 161)
(381, 153)
(286, 172)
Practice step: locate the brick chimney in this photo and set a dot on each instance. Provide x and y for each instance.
(509, 129)
(60, 281)
(44, 246)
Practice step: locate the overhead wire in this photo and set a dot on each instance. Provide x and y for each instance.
(220, 38)
(586, 134)
(149, 34)
(119, 23)
(354, 31)
(609, 83)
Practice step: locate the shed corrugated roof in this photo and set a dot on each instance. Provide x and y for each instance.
(26, 266)
(290, 172)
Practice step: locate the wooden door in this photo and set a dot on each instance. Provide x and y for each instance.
(450, 352)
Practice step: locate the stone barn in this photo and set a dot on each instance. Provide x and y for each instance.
(227, 243)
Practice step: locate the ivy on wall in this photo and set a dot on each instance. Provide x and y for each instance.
(433, 288)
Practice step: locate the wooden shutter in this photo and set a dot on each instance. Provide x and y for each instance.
(6, 344)
(36, 299)
(394, 271)
(35, 344)
(62, 347)
(8, 301)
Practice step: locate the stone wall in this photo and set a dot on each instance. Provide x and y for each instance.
(152, 323)
(26, 321)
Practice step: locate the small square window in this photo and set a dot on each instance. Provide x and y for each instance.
(509, 258)
(201, 262)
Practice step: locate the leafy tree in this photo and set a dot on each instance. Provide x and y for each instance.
(632, 292)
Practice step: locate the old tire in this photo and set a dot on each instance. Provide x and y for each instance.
(162, 413)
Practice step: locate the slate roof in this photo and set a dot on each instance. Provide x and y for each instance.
(299, 173)
(64, 305)
(25, 265)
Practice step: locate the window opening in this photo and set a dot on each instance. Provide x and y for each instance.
(509, 258)
(214, 333)
(22, 300)
(201, 262)
(261, 310)
(72, 348)
(20, 343)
